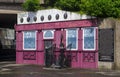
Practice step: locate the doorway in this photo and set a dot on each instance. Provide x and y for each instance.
(48, 46)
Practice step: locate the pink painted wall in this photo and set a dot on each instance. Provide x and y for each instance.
(89, 64)
(57, 25)
(19, 57)
(19, 40)
(40, 58)
(57, 36)
(77, 56)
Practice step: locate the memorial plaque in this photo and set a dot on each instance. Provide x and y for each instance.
(106, 45)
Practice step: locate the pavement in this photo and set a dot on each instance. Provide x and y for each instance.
(10, 69)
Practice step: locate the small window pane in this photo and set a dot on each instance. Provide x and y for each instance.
(29, 40)
(72, 38)
(89, 39)
(48, 34)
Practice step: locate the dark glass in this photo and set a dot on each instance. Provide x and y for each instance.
(65, 16)
(49, 17)
(28, 19)
(57, 16)
(35, 18)
(42, 18)
(21, 20)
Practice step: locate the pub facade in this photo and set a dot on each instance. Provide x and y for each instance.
(57, 38)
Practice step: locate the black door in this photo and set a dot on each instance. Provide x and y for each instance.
(48, 52)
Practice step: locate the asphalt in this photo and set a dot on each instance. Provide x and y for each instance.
(10, 69)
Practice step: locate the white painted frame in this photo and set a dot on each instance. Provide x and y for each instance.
(76, 38)
(94, 39)
(44, 31)
(35, 41)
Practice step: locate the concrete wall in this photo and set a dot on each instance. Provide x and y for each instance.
(106, 24)
(114, 24)
(117, 45)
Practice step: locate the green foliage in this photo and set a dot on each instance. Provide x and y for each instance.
(50, 3)
(31, 5)
(99, 8)
(69, 5)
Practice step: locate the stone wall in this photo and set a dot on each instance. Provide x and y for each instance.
(106, 23)
(117, 45)
(114, 24)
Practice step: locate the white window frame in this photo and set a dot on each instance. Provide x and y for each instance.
(44, 31)
(94, 39)
(76, 38)
(35, 41)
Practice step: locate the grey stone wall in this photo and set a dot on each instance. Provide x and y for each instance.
(117, 45)
(114, 24)
(106, 23)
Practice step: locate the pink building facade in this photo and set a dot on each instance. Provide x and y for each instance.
(35, 32)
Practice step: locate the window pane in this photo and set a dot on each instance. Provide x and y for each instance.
(89, 38)
(48, 34)
(72, 38)
(29, 39)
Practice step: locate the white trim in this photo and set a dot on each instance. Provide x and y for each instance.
(76, 38)
(53, 13)
(94, 39)
(44, 31)
(35, 41)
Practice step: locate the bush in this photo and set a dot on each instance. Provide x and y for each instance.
(31, 5)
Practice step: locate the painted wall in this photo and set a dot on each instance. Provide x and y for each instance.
(79, 57)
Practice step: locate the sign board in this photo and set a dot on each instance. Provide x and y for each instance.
(106, 45)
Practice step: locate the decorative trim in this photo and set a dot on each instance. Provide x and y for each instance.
(21, 20)
(52, 31)
(49, 17)
(35, 18)
(28, 19)
(57, 16)
(42, 18)
(52, 15)
(29, 55)
(65, 16)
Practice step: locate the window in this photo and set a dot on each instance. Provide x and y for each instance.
(29, 40)
(48, 34)
(72, 39)
(89, 38)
